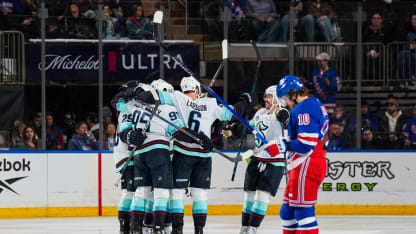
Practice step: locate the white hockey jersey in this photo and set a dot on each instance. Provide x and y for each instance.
(197, 115)
(270, 128)
(122, 150)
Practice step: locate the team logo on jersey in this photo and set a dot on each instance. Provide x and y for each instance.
(260, 127)
(6, 184)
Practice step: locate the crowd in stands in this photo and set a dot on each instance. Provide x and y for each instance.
(76, 19)
(74, 134)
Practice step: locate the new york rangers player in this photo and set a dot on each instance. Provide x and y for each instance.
(307, 129)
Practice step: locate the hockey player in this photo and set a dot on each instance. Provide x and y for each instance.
(264, 171)
(122, 151)
(192, 162)
(307, 129)
(152, 163)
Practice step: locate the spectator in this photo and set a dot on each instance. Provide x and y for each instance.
(325, 82)
(302, 26)
(29, 139)
(211, 27)
(375, 32)
(322, 13)
(367, 119)
(3, 143)
(86, 7)
(92, 124)
(28, 26)
(139, 27)
(82, 139)
(110, 137)
(264, 19)
(107, 115)
(18, 134)
(369, 141)
(54, 134)
(77, 27)
(391, 124)
(111, 25)
(239, 28)
(336, 142)
(69, 126)
(407, 57)
(409, 131)
(37, 125)
(30, 7)
(339, 118)
(9, 9)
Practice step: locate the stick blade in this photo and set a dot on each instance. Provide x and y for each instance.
(158, 17)
(224, 46)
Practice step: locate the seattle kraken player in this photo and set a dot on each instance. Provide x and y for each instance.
(192, 162)
(307, 129)
(122, 150)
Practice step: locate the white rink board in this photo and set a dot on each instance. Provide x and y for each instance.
(71, 180)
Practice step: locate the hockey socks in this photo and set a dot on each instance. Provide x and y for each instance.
(124, 211)
(176, 206)
(298, 220)
(247, 206)
(160, 206)
(259, 208)
(199, 206)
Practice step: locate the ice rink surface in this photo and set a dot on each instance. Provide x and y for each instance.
(216, 224)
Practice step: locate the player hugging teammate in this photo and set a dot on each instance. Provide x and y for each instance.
(191, 163)
(160, 183)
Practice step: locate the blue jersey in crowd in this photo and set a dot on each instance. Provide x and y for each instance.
(409, 130)
(326, 94)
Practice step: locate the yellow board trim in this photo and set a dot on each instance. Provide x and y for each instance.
(42, 212)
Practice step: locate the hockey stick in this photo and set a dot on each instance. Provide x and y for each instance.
(157, 19)
(198, 141)
(214, 78)
(253, 89)
(153, 112)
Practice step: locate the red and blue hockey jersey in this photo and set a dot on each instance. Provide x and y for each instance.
(307, 127)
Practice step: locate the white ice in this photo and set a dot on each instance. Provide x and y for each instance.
(216, 224)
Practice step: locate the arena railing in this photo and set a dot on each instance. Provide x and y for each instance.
(12, 58)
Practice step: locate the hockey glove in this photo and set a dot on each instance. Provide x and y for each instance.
(180, 136)
(276, 147)
(128, 94)
(207, 144)
(230, 129)
(282, 115)
(131, 137)
(250, 99)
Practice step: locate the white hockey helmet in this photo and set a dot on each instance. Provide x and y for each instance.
(162, 85)
(189, 83)
(272, 91)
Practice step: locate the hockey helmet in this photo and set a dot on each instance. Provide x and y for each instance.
(272, 91)
(189, 83)
(128, 84)
(162, 85)
(289, 82)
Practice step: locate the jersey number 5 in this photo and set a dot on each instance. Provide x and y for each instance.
(304, 119)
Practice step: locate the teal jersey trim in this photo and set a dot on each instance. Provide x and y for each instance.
(118, 169)
(151, 147)
(252, 123)
(277, 164)
(191, 153)
(165, 98)
(172, 130)
(122, 106)
(226, 114)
